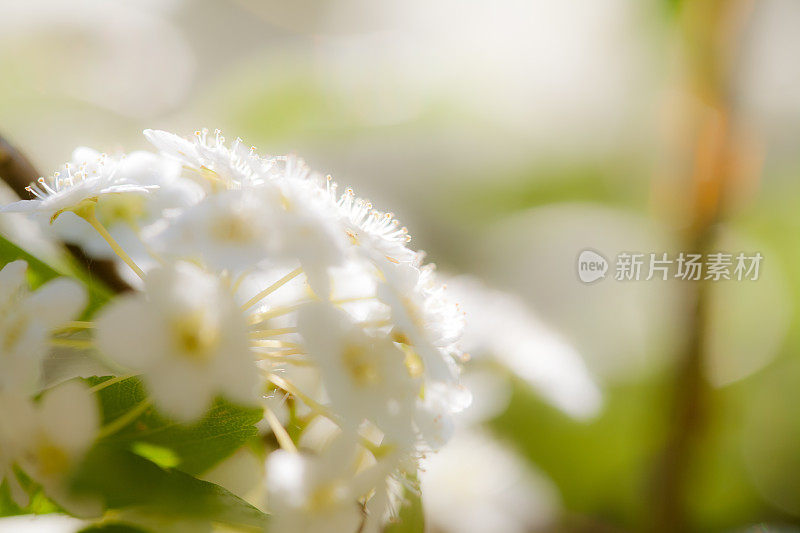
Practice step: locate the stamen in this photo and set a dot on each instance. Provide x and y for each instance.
(260, 318)
(72, 343)
(267, 333)
(46, 186)
(274, 343)
(89, 216)
(272, 288)
(310, 402)
(34, 192)
(280, 432)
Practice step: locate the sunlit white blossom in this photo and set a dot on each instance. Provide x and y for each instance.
(365, 374)
(423, 317)
(223, 166)
(321, 493)
(378, 234)
(188, 338)
(74, 188)
(126, 215)
(261, 282)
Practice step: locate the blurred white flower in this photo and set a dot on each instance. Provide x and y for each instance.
(242, 474)
(49, 439)
(477, 484)
(533, 352)
(49, 523)
(768, 76)
(27, 319)
(188, 338)
(313, 494)
(623, 331)
(17, 430)
(27, 233)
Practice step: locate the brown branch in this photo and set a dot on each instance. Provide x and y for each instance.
(18, 172)
(711, 37)
(15, 169)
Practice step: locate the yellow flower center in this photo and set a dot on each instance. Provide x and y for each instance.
(51, 459)
(234, 227)
(360, 365)
(114, 208)
(196, 335)
(325, 496)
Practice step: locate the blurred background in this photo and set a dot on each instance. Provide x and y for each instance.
(509, 135)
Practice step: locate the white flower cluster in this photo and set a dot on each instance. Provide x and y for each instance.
(262, 284)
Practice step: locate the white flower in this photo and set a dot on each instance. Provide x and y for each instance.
(188, 338)
(52, 437)
(476, 484)
(316, 494)
(424, 318)
(126, 215)
(220, 165)
(17, 430)
(229, 230)
(73, 189)
(377, 234)
(526, 346)
(46, 523)
(259, 210)
(364, 374)
(308, 222)
(242, 474)
(26, 322)
(434, 416)
(265, 282)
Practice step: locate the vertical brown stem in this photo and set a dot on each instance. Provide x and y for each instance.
(710, 30)
(690, 390)
(15, 169)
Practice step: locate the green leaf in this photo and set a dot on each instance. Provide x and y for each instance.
(192, 448)
(40, 273)
(126, 481)
(39, 502)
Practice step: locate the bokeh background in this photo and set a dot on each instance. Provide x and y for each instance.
(509, 135)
